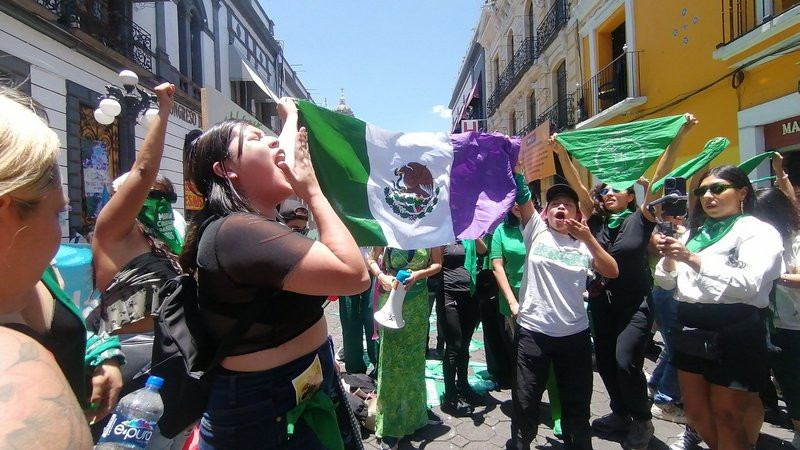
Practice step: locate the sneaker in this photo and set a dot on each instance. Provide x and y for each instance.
(670, 412)
(389, 443)
(472, 397)
(612, 423)
(688, 440)
(433, 419)
(639, 436)
(456, 407)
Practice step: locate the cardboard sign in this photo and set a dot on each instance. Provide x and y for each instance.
(536, 155)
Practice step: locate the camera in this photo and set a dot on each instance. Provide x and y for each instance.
(675, 186)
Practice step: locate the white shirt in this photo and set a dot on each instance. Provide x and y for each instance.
(739, 268)
(786, 310)
(553, 281)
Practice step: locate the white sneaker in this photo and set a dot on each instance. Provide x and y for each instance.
(669, 412)
(688, 440)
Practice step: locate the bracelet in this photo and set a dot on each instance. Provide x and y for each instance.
(785, 176)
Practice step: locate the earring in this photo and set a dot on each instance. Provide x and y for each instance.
(741, 206)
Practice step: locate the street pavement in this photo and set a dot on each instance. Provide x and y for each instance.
(490, 425)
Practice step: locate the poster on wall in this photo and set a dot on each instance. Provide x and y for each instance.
(96, 182)
(537, 157)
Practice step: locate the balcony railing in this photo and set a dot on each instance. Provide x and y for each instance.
(530, 126)
(112, 29)
(608, 86)
(561, 114)
(740, 17)
(553, 21)
(521, 61)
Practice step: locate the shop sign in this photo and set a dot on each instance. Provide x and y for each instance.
(782, 133)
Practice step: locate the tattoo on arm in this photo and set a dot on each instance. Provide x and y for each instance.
(37, 406)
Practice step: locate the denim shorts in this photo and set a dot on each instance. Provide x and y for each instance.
(247, 410)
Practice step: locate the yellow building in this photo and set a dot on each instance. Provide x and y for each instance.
(735, 64)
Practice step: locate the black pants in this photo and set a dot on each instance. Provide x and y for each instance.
(571, 357)
(622, 329)
(458, 316)
(498, 338)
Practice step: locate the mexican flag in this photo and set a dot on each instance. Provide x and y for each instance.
(410, 190)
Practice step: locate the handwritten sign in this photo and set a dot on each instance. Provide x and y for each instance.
(536, 155)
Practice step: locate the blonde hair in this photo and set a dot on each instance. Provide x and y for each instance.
(28, 150)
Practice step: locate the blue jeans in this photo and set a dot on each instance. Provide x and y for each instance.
(248, 409)
(665, 376)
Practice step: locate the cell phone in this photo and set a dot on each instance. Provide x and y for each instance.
(674, 186)
(666, 229)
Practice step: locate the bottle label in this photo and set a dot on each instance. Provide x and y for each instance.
(128, 430)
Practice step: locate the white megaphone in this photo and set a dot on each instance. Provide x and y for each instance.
(391, 315)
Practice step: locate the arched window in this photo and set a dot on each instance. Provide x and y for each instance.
(510, 47)
(529, 20)
(561, 95)
(191, 22)
(512, 123)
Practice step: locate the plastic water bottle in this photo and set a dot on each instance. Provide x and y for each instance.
(134, 421)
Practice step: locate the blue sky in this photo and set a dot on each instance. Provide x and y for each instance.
(396, 61)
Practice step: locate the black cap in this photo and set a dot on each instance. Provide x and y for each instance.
(292, 209)
(557, 190)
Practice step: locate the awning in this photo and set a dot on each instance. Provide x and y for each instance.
(241, 70)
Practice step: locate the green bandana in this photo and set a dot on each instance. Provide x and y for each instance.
(156, 215)
(711, 231)
(319, 413)
(615, 220)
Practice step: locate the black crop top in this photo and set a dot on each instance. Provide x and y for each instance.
(243, 258)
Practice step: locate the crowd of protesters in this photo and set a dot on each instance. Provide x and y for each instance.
(589, 273)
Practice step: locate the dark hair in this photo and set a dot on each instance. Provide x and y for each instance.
(738, 179)
(511, 220)
(599, 206)
(775, 208)
(220, 196)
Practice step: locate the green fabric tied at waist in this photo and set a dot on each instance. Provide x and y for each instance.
(319, 414)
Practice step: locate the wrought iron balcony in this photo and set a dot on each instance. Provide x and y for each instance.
(561, 114)
(106, 25)
(553, 22)
(740, 17)
(528, 128)
(608, 86)
(521, 61)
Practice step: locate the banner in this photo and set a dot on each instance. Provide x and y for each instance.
(537, 157)
(94, 164)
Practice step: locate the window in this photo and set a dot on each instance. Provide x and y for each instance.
(529, 22)
(512, 123)
(561, 95)
(496, 70)
(532, 107)
(510, 47)
(190, 37)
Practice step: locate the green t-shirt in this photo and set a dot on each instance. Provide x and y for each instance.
(507, 244)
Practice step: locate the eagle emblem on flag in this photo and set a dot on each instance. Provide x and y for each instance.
(413, 195)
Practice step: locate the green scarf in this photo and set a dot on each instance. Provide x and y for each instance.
(156, 215)
(615, 220)
(711, 231)
(471, 263)
(319, 413)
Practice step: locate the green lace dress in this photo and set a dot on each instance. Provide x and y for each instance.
(401, 361)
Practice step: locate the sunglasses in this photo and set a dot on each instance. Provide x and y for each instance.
(159, 195)
(607, 190)
(715, 189)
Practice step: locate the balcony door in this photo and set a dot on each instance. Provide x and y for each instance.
(620, 63)
(561, 94)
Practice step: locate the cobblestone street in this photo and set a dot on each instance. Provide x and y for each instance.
(490, 425)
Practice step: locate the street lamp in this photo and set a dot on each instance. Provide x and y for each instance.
(130, 99)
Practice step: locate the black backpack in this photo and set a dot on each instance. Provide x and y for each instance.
(184, 354)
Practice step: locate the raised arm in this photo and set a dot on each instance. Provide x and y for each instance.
(526, 208)
(782, 178)
(117, 218)
(666, 163)
(333, 265)
(572, 176)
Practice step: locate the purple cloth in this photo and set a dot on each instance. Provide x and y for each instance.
(482, 187)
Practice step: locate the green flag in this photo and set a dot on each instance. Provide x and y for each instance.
(751, 164)
(620, 154)
(713, 147)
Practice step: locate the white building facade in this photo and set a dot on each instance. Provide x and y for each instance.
(220, 54)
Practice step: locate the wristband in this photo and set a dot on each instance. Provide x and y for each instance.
(523, 191)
